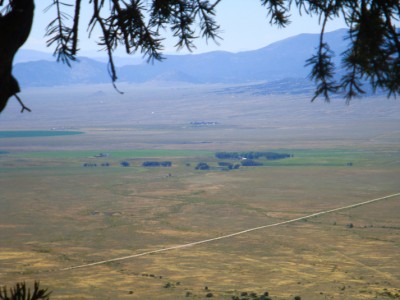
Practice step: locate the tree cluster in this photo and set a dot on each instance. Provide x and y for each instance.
(157, 164)
(93, 165)
(202, 166)
(251, 155)
(251, 163)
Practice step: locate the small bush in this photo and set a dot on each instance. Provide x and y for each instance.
(168, 285)
(21, 292)
(125, 164)
(202, 166)
(252, 294)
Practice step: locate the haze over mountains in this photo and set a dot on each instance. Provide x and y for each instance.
(280, 61)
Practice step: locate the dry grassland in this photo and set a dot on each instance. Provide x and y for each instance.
(55, 214)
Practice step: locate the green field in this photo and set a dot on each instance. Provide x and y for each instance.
(35, 133)
(55, 213)
(301, 157)
(142, 153)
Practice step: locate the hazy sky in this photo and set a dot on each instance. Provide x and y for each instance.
(244, 26)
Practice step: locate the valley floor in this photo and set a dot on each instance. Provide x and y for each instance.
(56, 213)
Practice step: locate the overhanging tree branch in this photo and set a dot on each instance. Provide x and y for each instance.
(322, 71)
(15, 27)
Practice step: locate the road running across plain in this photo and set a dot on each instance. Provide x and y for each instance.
(229, 235)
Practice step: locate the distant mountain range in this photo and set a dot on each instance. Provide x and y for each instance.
(278, 61)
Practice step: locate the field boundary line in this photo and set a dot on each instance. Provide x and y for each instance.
(229, 235)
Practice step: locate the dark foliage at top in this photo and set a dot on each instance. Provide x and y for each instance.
(21, 292)
(135, 25)
(15, 27)
(373, 54)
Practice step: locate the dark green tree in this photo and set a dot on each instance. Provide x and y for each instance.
(373, 54)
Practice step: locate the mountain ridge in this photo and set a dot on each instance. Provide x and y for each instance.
(277, 61)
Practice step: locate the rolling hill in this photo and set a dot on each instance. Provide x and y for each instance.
(277, 61)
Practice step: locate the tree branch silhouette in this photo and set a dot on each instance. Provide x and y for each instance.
(15, 27)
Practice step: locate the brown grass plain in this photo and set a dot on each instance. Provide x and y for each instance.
(55, 214)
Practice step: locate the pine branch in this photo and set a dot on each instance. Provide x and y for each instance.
(208, 25)
(322, 71)
(105, 40)
(182, 22)
(278, 12)
(60, 33)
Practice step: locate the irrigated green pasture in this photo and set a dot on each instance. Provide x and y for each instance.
(35, 133)
(55, 213)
